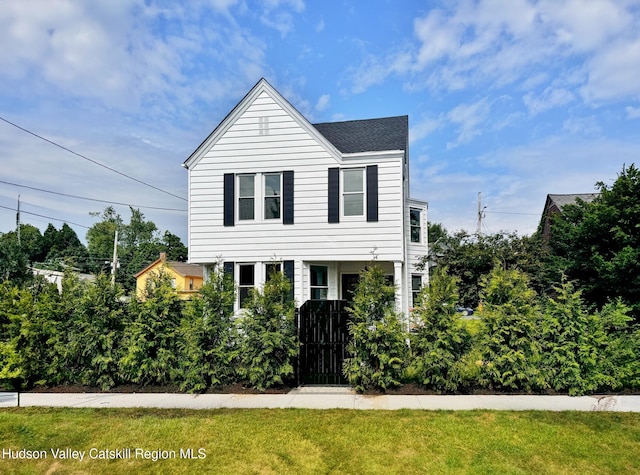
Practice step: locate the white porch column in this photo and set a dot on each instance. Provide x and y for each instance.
(398, 280)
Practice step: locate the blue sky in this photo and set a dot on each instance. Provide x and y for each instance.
(511, 98)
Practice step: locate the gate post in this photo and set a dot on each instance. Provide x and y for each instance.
(297, 362)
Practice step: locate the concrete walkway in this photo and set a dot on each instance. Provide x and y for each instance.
(322, 398)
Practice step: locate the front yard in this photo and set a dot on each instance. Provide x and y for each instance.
(310, 441)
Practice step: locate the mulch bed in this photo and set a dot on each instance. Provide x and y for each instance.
(238, 388)
(133, 388)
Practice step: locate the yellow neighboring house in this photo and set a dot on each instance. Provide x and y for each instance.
(186, 278)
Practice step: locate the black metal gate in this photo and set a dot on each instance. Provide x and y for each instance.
(323, 334)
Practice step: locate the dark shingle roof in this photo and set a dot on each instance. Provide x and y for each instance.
(370, 135)
(563, 200)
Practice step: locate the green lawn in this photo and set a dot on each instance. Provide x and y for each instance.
(330, 441)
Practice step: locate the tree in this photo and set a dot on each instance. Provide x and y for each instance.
(31, 345)
(139, 244)
(151, 339)
(13, 262)
(17, 255)
(597, 244)
(63, 247)
(209, 342)
(440, 339)
(173, 246)
(469, 257)
(570, 342)
(509, 338)
(269, 342)
(100, 236)
(377, 348)
(436, 232)
(96, 329)
(31, 242)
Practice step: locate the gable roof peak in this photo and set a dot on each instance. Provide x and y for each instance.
(261, 86)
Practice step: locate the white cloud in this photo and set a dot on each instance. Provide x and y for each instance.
(114, 53)
(297, 5)
(549, 99)
(323, 102)
(276, 15)
(372, 71)
(586, 25)
(469, 119)
(633, 112)
(614, 72)
(514, 181)
(223, 5)
(495, 43)
(423, 128)
(582, 125)
(320, 26)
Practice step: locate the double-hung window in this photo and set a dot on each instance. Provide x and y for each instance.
(246, 282)
(416, 286)
(246, 197)
(415, 224)
(319, 283)
(353, 192)
(272, 195)
(259, 195)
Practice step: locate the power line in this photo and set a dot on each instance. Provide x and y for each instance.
(510, 212)
(90, 199)
(91, 160)
(47, 217)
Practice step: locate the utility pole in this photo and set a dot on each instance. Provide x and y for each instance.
(18, 221)
(114, 263)
(480, 214)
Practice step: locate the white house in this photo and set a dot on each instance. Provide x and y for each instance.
(268, 190)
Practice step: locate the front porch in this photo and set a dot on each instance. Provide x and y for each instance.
(336, 280)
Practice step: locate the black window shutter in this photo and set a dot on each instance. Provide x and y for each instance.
(334, 195)
(372, 193)
(229, 196)
(287, 267)
(287, 197)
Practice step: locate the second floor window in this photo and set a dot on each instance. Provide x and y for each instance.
(272, 195)
(246, 197)
(353, 191)
(416, 226)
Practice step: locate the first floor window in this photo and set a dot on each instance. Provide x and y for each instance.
(246, 197)
(246, 282)
(319, 283)
(353, 191)
(414, 221)
(416, 285)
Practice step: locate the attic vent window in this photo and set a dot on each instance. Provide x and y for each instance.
(263, 126)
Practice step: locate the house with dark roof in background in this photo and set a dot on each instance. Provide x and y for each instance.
(270, 191)
(553, 206)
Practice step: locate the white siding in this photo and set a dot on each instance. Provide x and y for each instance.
(415, 251)
(253, 144)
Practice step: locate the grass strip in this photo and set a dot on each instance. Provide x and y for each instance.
(281, 441)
